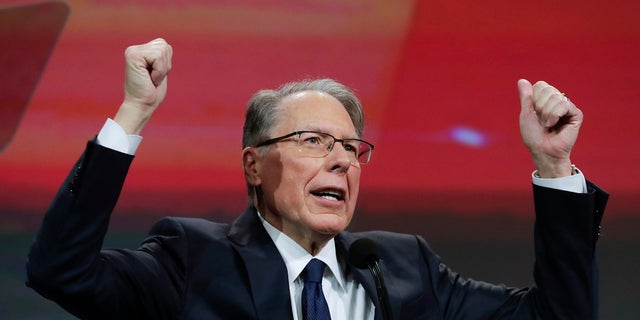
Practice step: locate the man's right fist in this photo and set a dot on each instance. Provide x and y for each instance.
(145, 85)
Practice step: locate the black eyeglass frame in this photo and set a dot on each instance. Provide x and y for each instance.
(342, 141)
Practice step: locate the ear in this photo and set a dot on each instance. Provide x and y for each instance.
(251, 166)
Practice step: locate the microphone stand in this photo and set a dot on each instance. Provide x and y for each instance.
(383, 297)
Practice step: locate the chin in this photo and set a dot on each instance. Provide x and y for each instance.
(332, 225)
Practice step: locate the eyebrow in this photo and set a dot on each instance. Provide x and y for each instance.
(318, 129)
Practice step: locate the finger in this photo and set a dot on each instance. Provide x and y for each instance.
(159, 60)
(159, 71)
(552, 113)
(542, 91)
(525, 90)
(151, 60)
(550, 104)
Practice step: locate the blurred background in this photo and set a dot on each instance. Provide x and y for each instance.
(438, 82)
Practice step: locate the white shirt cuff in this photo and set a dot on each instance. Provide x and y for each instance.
(112, 136)
(573, 183)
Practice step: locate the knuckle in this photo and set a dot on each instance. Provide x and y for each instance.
(129, 51)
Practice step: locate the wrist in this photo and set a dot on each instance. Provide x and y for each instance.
(132, 118)
(555, 172)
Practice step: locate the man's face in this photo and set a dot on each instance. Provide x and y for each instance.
(309, 197)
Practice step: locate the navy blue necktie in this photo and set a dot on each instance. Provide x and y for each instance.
(314, 305)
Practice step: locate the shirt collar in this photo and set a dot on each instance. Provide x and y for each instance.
(296, 257)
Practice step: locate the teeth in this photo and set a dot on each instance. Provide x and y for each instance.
(330, 195)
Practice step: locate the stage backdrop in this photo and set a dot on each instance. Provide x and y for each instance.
(437, 78)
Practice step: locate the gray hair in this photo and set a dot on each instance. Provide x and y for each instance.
(262, 111)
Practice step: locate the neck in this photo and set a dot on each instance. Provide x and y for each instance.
(313, 247)
(309, 240)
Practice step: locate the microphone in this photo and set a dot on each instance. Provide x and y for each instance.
(363, 253)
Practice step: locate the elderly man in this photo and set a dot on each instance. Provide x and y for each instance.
(302, 158)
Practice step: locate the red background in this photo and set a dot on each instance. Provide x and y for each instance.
(425, 71)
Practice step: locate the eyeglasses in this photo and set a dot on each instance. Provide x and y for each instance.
(319, 144)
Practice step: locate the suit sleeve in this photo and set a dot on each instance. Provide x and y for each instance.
(66, 263)
(565, 273)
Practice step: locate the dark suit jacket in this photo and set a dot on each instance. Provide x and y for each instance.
(196, 269)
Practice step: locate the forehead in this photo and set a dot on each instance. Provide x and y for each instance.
(314, 110)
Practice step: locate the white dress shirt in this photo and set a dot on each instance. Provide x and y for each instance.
(346, 297)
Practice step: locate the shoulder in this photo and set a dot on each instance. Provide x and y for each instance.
(390, 243)
(388, 235)
(406, 257)
(186, 237)
(383, 238)
(192, 227)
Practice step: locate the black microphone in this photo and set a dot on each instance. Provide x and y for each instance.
(363, 253)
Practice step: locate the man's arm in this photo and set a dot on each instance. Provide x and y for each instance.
(65, 263)
(567, 221)
(568, 215)
(567, 228)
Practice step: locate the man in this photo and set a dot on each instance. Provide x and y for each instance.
(302, 162)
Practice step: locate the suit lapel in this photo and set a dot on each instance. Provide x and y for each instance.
(266, 270)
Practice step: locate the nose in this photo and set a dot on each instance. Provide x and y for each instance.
(339, 158)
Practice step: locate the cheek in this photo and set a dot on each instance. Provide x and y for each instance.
(354, 183)
(295, 178)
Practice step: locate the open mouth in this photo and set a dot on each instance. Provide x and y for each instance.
(330, 194)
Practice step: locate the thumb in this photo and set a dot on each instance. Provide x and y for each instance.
(525, 90)
(157, 76)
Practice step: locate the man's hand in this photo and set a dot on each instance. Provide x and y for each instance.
(549, 125)
(145, 85)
